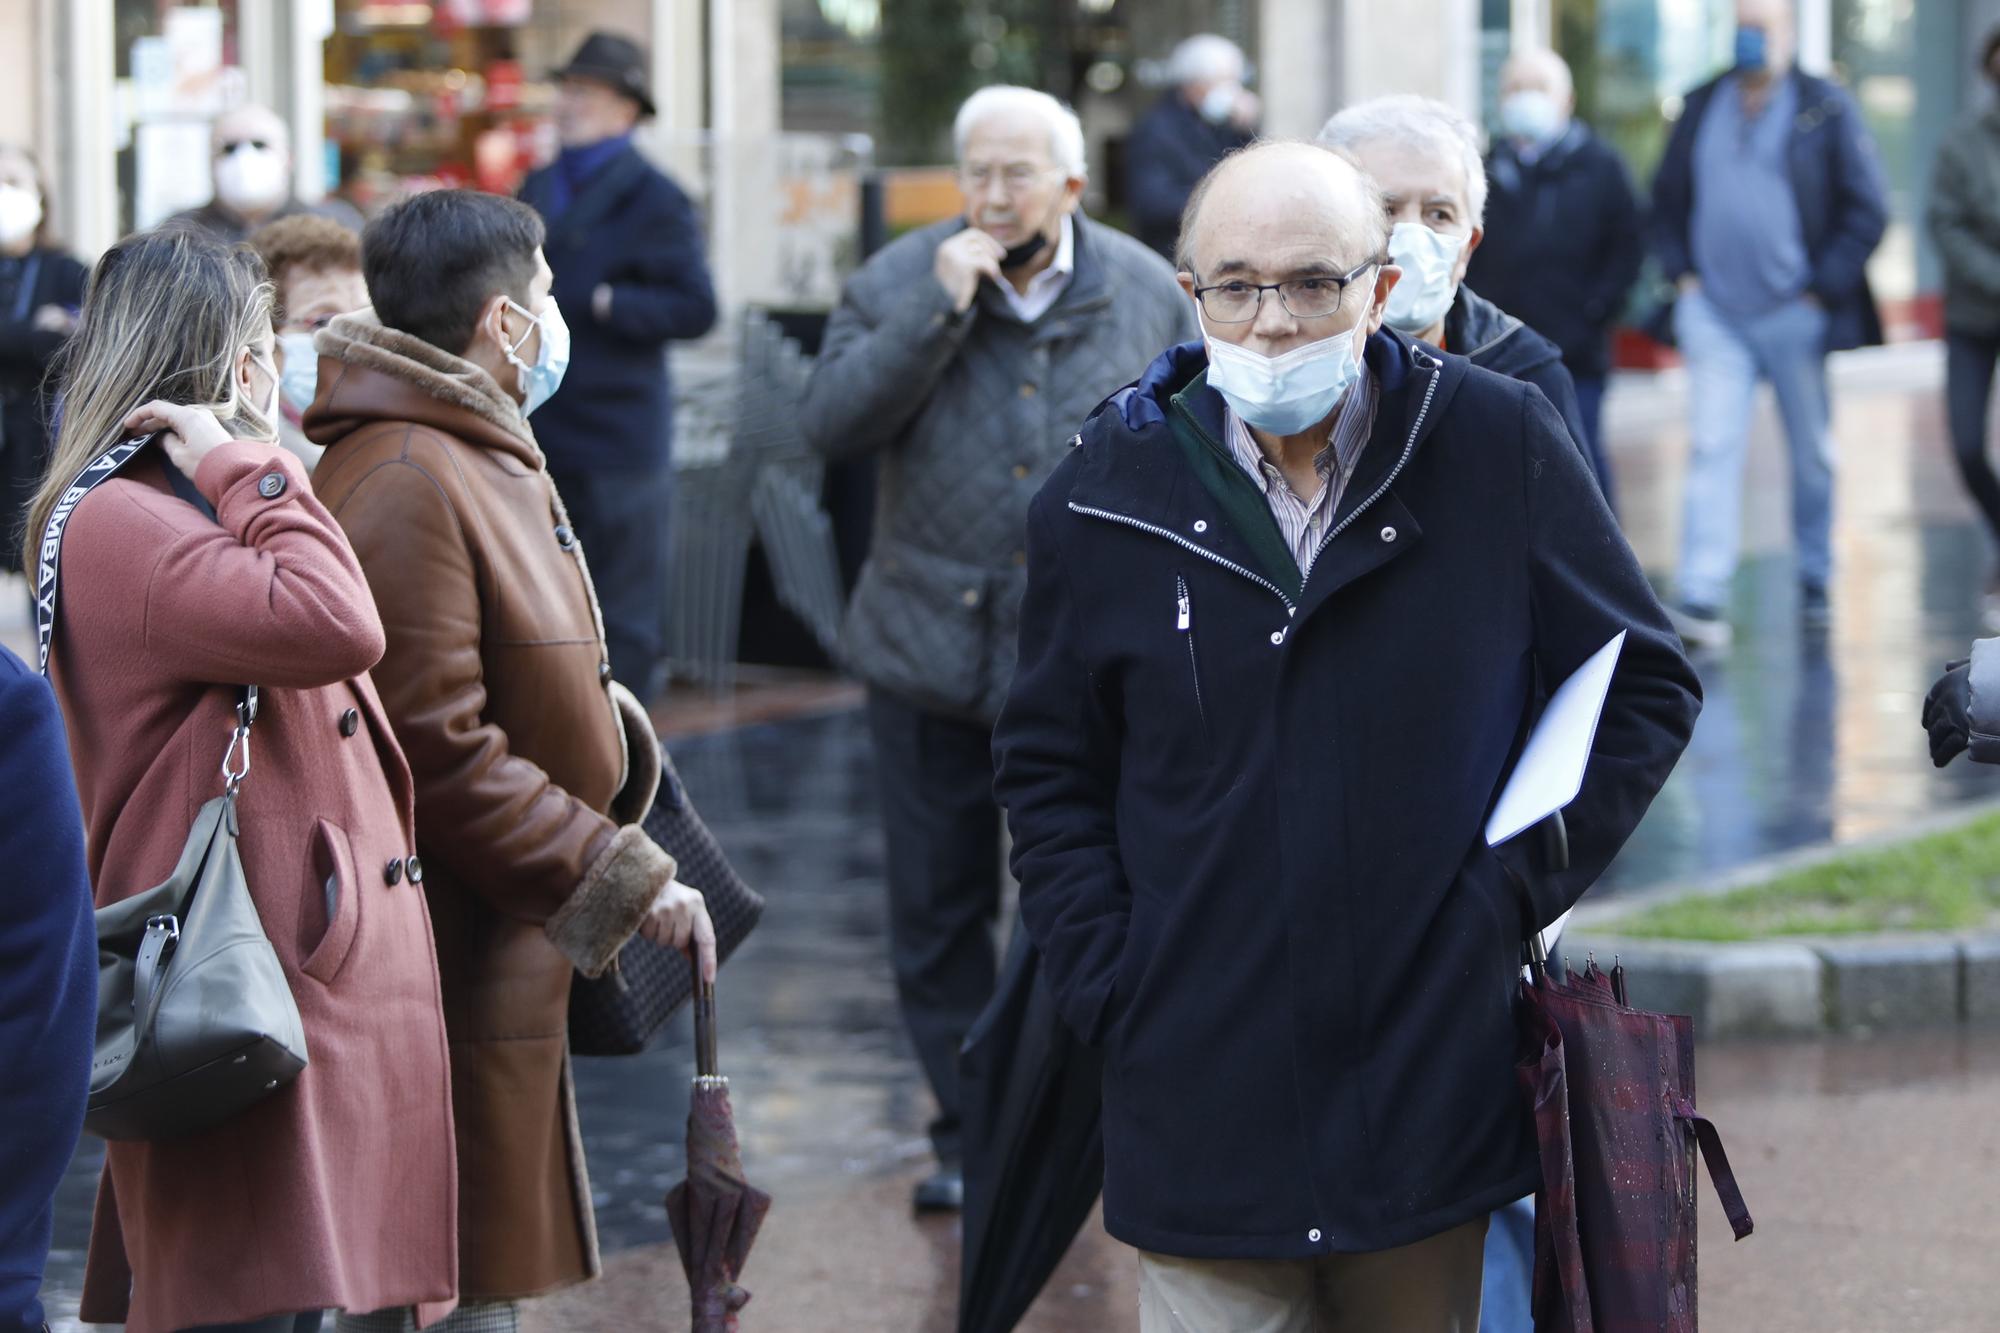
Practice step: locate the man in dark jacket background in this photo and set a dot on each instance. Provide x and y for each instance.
(1767, 204)
(1964, 218)
(1424, 157)
(1564, 232)
(626, 249)
(48, 982)
(1279, 641)
(1206, 114)
(964, 356)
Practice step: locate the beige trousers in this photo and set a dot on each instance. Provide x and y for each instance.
(1429, 1287)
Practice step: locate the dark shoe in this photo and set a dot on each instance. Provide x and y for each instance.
(942, 1191)
(1815, 611)
(1700, 626)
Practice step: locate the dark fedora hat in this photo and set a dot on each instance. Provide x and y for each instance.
(614, 61)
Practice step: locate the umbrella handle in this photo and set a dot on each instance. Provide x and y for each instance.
(704, 1029)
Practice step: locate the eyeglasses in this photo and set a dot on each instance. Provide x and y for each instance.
(1237, 302)
(1014, 177)
(226, 149)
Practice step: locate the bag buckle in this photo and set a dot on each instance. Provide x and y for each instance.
(168, 924)
(236, 760)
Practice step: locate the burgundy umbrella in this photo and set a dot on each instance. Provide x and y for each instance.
(715, 1213)
(1611, 1089)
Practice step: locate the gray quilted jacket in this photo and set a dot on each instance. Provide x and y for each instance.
(969, 414)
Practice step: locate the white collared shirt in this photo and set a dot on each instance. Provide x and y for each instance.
(1046, 286)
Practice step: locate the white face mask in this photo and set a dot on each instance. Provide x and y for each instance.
(1218, 102)
(1288, 393)
(252, 179)
(20, 214)
(301, 378)
(1531, 115)
(1426, 289)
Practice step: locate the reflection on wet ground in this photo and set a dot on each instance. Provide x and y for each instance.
(1804, 738)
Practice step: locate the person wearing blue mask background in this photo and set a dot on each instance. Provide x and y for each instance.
(1565, 235)
(315, 267)
(1767, 204)
(630, 274)
(1206, 114)
(1424, 157)
(1286, 602)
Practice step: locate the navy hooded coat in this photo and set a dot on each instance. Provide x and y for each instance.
(1247, 807)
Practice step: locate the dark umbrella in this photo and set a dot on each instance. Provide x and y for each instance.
(1031, 1095)
(715, 1213)
(1611, 1088)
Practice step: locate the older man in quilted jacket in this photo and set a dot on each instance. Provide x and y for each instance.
(964, 357)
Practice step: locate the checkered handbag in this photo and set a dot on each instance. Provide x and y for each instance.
(622, 1011)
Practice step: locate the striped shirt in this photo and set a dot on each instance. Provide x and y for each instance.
(1304, 522)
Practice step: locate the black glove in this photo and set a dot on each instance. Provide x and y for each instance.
(1948, 713)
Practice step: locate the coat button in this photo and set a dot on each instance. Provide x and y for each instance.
(350, 722)
(1313, 1235)
(1388, 534)
(564, 537)
(1201, 525)
(272, 486)
(970, 597)
(1020, 472)
(1027, 391)
(392, 874)
(1277, 636)
(416, 868)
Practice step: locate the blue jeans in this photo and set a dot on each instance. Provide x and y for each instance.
(1726, 355)
(1510, 1269)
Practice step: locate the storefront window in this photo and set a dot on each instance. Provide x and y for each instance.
(1904, 65)
(1635, 59)
(445, 94)
(177, 67)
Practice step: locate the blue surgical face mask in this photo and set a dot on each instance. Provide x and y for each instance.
(538, 382)
(1753, 51)
(1531, 115)
(1285, 394)
(1426, 290)
(300, 381)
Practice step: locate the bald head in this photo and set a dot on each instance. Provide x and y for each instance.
(1538, 69)
(249, 123)
(1278, 202)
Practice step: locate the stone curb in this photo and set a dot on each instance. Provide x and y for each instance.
(1806, 986)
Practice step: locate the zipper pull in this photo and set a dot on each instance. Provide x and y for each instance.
(1185, 619)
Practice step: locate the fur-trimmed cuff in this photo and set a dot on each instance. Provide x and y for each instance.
(634, 800)
(614, 897)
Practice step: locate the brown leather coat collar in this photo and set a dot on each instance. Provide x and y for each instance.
(372, 373)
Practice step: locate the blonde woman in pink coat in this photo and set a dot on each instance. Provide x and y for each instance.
(338, 1191)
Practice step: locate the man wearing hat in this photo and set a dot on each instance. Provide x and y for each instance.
(630, 276)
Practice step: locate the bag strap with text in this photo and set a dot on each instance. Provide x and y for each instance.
(48, 565)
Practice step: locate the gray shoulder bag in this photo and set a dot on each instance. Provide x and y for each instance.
(195, 1021)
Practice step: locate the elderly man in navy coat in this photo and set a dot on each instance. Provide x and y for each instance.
(48, 982)
(1284, 622)
(626, 250)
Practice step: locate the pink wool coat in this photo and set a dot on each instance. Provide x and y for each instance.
(339, 1190)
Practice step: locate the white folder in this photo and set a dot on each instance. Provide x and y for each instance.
(1549, 773)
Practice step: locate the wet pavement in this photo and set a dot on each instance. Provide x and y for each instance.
(1852, 1154)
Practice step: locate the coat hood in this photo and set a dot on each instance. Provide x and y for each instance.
(370, 373)
(1494, 340)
